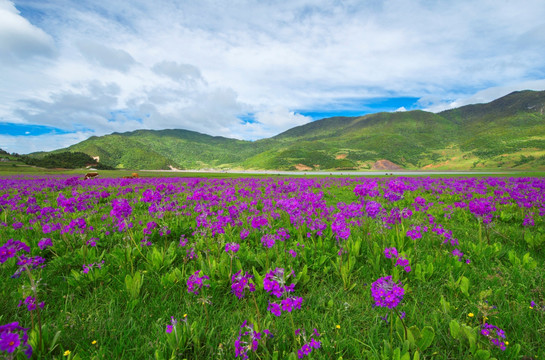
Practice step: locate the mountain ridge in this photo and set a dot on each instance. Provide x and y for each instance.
(505, 133)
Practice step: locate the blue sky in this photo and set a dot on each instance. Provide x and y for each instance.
(251, 69)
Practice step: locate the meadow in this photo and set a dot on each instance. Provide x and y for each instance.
(272, 268)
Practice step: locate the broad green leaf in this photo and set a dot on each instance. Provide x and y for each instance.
(428, 334)
(454, 329)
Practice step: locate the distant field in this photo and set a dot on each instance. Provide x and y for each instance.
(7, 169)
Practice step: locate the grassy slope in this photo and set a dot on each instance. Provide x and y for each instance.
(506, 133)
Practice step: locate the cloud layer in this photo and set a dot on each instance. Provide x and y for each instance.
(249, 68)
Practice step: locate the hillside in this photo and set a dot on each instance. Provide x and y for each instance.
(506, 133)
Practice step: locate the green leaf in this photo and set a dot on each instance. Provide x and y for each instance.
(428, 334)
(258, 279)
(397, 354)
(464, 286)
(445, 304)
(454, 329)
(413, 334)
(482, 354)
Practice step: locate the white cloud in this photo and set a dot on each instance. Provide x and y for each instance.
(270, 122)
(105, 56)
(19, 39)
(435, 104)
(47, 142)
(178, 72)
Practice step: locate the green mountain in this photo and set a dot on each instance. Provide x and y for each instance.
(506, 133)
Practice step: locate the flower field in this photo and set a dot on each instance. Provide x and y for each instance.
(272, 268)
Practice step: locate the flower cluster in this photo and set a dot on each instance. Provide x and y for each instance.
(483, 209)
(148, 230)
(11, 248)
(275, 282)
(173, 322)
(414, 234)
(268, 240)
(258, 222)
(286, 305)
(44, 243)
(309, 345)
(392, 253)
(195, 282)
(232, 247)
(30, 303)
(13, 336)
(29, 263)
(244, 234)
(251, 341)
(88, 267)
(386, 292)
(494, 334)
(240, 283)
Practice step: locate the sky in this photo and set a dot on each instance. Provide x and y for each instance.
(250, 69)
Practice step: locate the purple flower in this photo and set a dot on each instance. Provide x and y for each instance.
(195, 282)
(88, 267)
(233, 247)
(494, 334)
(13, 336)
(45, 242)
(275, 283)
(308, 346)
(528, 220)
(414, 234)
(293, 253)
(148, 230)
(268, 240)
(274, 308)
(386, 292)
(9, 342)
(291, 303)
(482, 208)
(121, 209)
(403, 263)
(457, 253)
(258, 222)
(390, 252)
(240, 283)
(30, 263)
(244, 234)
(250, 341)
(173, 322)
(30, 303)
(145, 242)
(11, 248)
(282, 234)
(373, 208)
